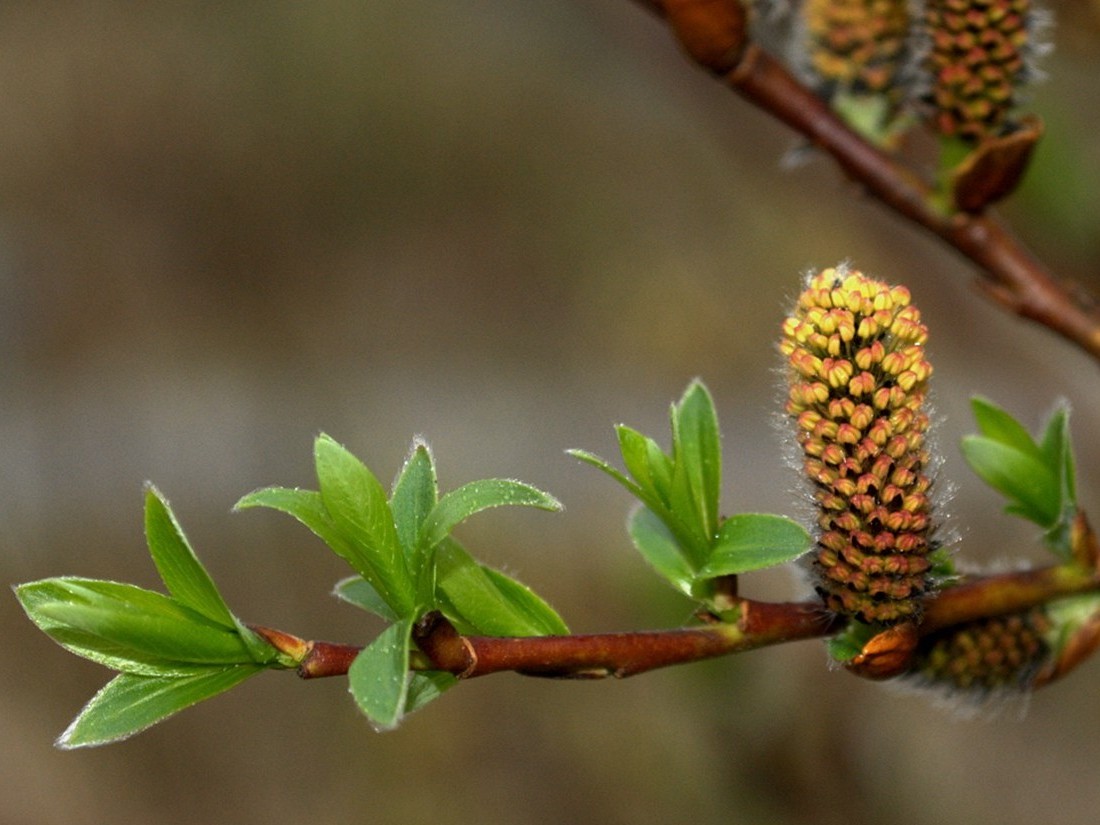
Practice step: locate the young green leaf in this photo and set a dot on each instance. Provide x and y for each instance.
(997, 424)
(849, 643)
(43, 594)
(660, 548)
(1038, 478)
(485, 601)
(1034, 490)
(128, 628)
(356, 590)
(179, 567)
(130, 703)
(601, 464)
(425, 686)
(360, 511)
(539, 617)
(1057, 450)
(379, 676)
(754, 541)
(647, 464)
(415, 494)
(697, 455)
(458, 505)
(307, 507)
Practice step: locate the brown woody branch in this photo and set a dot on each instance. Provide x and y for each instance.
(714, 34)
(756, 624)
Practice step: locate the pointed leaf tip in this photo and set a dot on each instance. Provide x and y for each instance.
(177, 564)
(129, 703)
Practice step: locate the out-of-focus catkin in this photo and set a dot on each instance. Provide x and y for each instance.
(856, 45)
(1004, 652)
(976, 60)
(858, 376)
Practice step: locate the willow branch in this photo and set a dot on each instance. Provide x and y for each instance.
(713, 32)
(757, 624)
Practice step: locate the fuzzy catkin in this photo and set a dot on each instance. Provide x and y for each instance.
(1003, 652)
(855, 44)
(977, 54)
(857, 383)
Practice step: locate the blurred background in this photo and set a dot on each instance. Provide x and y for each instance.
(506, 226)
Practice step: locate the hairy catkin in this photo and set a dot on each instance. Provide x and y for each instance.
(857, 383)
(976, 58)
(856, 45)
(999, 653)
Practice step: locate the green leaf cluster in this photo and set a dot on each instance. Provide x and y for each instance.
(1036, 475)
(171, 651)
(408, 564)
(677, 528)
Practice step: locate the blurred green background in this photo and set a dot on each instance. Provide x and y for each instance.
(225, 227)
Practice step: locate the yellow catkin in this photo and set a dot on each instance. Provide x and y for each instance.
(857, 382)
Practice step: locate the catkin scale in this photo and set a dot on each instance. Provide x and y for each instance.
(857, 383)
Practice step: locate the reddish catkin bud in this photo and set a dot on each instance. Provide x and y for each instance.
(855, 45)
(863, 442)
(977, 54)
(1000, 653)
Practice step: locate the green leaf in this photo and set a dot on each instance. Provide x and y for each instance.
(379, 676)
(647, 463)
(128, 628)
(357, 504)
(45, 593)
(1033, 489)
(358, 591)
(415, 494)
(308, 508)
(755, 541)
(998, 425)
(488, 602)
(186, 578)
(1039, 479)
(177, 564)
(130, 703)
(458, 505)
(425, 686)
(697, 455)
(1067, 618)
(849, 643)
(1057, 450)
(601, 464)
(660, 548)
(661, 469)
(538, 615)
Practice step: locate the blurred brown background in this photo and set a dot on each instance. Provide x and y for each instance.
(504, 225)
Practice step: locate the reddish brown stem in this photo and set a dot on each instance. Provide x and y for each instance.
(1005, 593)
(1014, 277)
(619, 654)
(757, 624)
